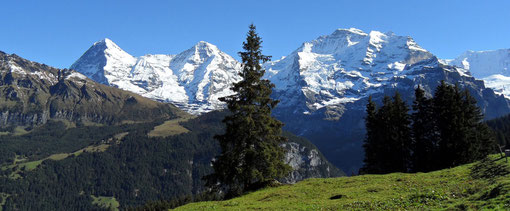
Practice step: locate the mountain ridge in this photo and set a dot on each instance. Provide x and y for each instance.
(34, 93)
(193, 79)
(323, 86)
(492, 66)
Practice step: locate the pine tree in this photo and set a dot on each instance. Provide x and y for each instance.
(480, 139)
(424, 133)
(388, 139)
(447, 130)
(400, 138)
(463, 137)
(446, 113)
(251, 155)
(384, 133)
(371, 142)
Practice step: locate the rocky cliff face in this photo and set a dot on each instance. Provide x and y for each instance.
(307, 162)
(33, 93)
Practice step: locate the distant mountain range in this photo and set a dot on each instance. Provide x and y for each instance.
(493, 67)
(193, 80)
(64, 134)
(322, 85)
(33, 93)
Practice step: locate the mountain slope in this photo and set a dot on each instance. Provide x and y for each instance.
(342, 67)
(323, 87)
(85, 141)
(193, 80)
(34, 93)
(449, 189)
(493, 67)
(121, 161)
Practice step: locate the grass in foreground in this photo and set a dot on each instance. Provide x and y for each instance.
(445, 189)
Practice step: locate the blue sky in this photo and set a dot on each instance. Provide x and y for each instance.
(59, 32)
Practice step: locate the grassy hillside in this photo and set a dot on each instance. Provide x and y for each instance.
(446, 189)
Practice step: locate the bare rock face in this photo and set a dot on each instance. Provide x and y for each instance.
(306, 161)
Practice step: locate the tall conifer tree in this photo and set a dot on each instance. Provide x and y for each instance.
(446, 113)
(251, 155)
(371, 145)
(400, 137)
(463, 137)
(480, 139)
(447, 130)
(424, 133)
(388, 139)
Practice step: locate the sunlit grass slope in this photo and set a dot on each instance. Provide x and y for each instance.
(445, 189)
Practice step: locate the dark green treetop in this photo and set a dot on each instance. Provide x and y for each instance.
(252, 156)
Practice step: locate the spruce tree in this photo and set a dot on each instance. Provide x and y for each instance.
(446, 113)
(400, 138)
(480, 138)
(251, 156)
(463, 137)
(424, 133)
(371, 140)
(384, 133)
(388, 139)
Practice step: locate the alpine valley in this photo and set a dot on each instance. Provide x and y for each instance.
(68, 142)
(322, 86)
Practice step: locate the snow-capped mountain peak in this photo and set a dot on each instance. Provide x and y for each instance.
(491, 66)
(105, 62)
(107, 43)
(193, 79)
(344, 66)
(206, 73)
(328, 78)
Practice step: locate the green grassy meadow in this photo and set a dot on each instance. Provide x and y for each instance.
(169, 128)
(448, 189)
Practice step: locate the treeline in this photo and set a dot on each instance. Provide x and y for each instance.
(501, 127)
(52, 138)
(440, 132)
(137, 170)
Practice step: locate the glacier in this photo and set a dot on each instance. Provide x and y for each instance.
(493, 67)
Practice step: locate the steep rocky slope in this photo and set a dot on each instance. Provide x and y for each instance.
(33, 93)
